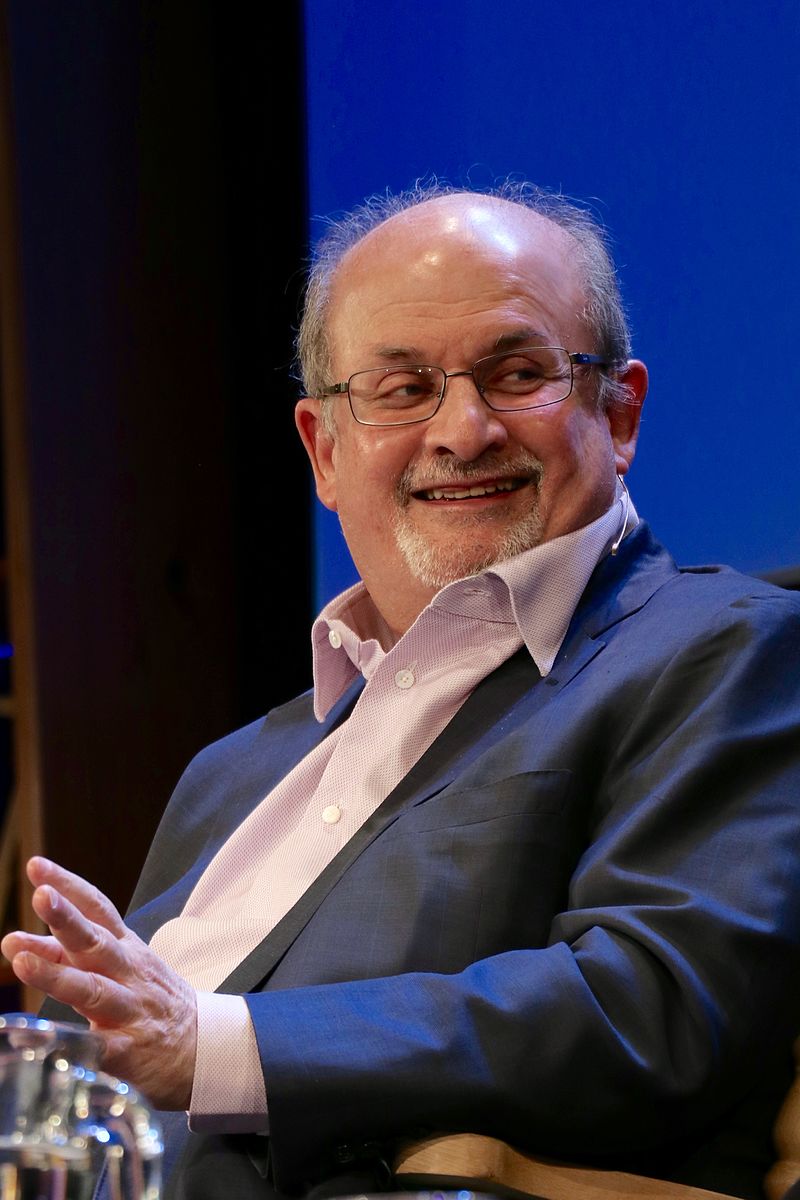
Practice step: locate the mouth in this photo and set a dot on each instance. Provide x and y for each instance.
(471, 491)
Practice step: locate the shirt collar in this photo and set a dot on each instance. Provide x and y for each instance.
(546, 583)
(543, 586)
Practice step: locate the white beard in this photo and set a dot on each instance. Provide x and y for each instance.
(467, 552)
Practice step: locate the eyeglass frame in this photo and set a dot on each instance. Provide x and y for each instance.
(576, 358)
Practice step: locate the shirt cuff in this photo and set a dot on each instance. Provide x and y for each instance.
(228, 1094)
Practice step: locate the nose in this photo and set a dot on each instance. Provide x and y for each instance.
(464, 424)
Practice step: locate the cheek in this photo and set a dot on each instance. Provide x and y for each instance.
(579, 469)
(369, 466)
(365, 493)
(581, 443)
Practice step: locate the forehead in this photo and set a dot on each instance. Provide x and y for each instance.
(456, 273)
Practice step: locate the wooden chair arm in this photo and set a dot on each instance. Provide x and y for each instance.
(481, 1163)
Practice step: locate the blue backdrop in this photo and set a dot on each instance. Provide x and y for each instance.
(680, 125)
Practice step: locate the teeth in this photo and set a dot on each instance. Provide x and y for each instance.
(503, 485)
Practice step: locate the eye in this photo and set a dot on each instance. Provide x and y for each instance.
(521, 373)
(402, 388)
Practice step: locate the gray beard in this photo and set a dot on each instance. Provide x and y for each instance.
(437, 565)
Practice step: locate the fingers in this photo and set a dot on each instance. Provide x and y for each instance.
(91, 995)
(88, 899)
(79, 937)
(81, 962)
(86, 931)
(36, 943)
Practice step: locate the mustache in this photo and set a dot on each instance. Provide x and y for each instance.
(449, 470)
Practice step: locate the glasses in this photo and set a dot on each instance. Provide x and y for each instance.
(531, 377)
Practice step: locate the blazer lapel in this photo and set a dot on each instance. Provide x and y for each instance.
(619, 587)
(482, 720)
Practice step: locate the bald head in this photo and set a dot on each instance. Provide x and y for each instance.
(463, 217)
(429, 241)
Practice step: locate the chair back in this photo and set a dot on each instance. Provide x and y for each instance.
(786, 1170)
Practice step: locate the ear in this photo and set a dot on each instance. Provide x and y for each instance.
(623, 416)
(319, 444)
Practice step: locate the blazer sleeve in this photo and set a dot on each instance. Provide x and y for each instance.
(669, 980)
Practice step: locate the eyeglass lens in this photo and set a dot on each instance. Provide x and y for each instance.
(529, 378)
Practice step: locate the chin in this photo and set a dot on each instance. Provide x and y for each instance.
(435, 564)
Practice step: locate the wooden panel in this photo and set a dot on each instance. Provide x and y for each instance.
(22, 827)
(160, 497)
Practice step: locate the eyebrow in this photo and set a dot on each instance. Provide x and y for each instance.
(525, 335)
(403, 354)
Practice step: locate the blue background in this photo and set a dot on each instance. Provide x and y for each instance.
(679, 126)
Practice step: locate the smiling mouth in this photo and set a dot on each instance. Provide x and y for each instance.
(471, 491)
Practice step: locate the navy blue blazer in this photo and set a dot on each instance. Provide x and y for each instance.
(574, 924)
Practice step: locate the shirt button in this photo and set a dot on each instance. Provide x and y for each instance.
(331, 814)
(405, 678)
(334, 639)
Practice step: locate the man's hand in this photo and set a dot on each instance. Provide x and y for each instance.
(145, 1014)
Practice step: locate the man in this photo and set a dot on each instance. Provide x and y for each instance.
(526, 862)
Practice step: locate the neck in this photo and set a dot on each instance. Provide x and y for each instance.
(400, 610)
